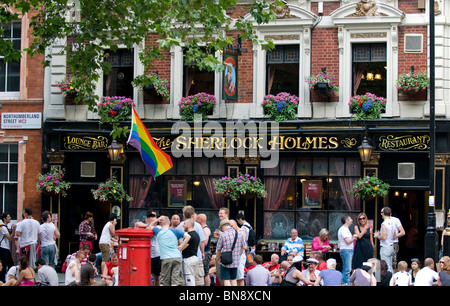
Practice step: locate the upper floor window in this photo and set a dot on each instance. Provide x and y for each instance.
(369, 69)
(118, 81)
(10, 71)
(196, 80)
(283, 70)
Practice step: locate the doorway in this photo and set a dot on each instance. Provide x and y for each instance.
(410, 206)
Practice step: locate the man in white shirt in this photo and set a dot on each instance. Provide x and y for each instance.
(345, 240)
(387, 236)
(399, 233)
(28, 235)
(427, 276)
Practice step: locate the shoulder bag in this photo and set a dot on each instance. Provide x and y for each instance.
(226, 258)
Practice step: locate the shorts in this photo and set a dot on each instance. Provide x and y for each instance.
(206, 261)
(48, 254)
(227, 273)
(105, 249)
(190, 267)
(171, 272)
(156, 266)
(200, 274)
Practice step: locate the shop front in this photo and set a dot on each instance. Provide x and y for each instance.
(316, 164)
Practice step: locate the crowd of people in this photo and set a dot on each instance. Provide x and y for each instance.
(182, 254)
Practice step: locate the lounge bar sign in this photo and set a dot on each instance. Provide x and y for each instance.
(404, 142)
(82, 142)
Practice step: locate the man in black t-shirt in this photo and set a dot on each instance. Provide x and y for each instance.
(189, 248)
(87, 273)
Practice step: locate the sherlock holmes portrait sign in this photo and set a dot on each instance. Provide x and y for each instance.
(230, 77)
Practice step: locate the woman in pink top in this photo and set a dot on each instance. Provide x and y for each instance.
(321, 243)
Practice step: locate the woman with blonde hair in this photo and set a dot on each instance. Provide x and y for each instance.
(444, 274)
(321, 243)
(364, 243)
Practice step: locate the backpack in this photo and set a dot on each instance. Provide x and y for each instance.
(251, 240)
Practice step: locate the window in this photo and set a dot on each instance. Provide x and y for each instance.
(118, 81)
(8, 178)
(284, 207)
(369, 69)
(196, 80)
(10, 71)
(283, 70)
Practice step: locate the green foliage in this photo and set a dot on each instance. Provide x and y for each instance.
(281, 107)
(111, 190)
(91, 26)
(369, 187)
(52, 182)
(112, 110)
(368, 106)
(152, 79)
(412, 82)
(237, 187)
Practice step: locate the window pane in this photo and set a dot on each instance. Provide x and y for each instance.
(2, 75)
(11, 200)
(3, 173)
(13, 76)
(4, 153)
(13, 173)
(13, 152)
(16, 29)
(217, 166)
(309, 223)
(278, 225)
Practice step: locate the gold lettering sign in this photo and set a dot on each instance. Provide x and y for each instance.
(85, 143)
(406, 142)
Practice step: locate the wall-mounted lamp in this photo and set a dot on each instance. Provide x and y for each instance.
(116, 152)
(369, 76)
(365, 149)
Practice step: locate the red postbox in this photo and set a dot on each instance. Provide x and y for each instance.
(134, 256)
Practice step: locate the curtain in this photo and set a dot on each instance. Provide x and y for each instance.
(276, 188)
(189, 78)
(359, 68)
(217, 200)
(272, 69)
(346, 184)
(137, 192)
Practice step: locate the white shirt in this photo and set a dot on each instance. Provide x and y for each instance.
(106, 234)
(397, 223)
(391, 230)
(70, 277)
(47, 231)
(4, 241)
(402, 278)
(426, 277)
(344, 233)
(29, 231)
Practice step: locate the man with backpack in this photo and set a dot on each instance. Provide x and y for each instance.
(251, 237)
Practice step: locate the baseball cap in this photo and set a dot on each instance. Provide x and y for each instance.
(312, 260)
(297, 258)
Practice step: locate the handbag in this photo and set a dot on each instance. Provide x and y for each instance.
(226, 258)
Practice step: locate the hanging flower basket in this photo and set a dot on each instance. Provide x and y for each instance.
(281, 107)
(52, 183)
(368, 106)
(323, 83)
(369, 187)
(242, 186)
(412, 83)
(152, 82)
(110, 191)
(201, 103)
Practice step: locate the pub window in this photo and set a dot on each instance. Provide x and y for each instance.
(196, 80)
(118, 81)
(283, 70)
(10, 71)
(369, 69)
(8, 178)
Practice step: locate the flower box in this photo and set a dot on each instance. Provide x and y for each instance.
(201, 103)
(368, 106)
(281, 107)
(242, 186)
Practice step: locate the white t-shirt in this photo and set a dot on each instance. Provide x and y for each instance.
(402, 278)
(47, 231)
(4, 241)
(426, 277)
(344, 233)
(391, 230)
(29, 230)
(106, 234)
(397, 223)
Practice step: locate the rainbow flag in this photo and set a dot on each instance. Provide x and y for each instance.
(156, 161)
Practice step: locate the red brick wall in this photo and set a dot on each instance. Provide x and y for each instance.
(406, 60)
(325, 53)
(410, 6)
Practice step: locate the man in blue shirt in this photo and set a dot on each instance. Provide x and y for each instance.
(330, 276)
(293, 245)
(168, 240)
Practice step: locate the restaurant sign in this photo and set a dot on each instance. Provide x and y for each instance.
(404, 142)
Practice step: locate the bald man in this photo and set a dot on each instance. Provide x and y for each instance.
(201, 219)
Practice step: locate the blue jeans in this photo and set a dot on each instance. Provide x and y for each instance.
(346, 256)
(386, 253)
(48, 254)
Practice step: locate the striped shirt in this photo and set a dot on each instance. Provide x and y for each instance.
(294, 246)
